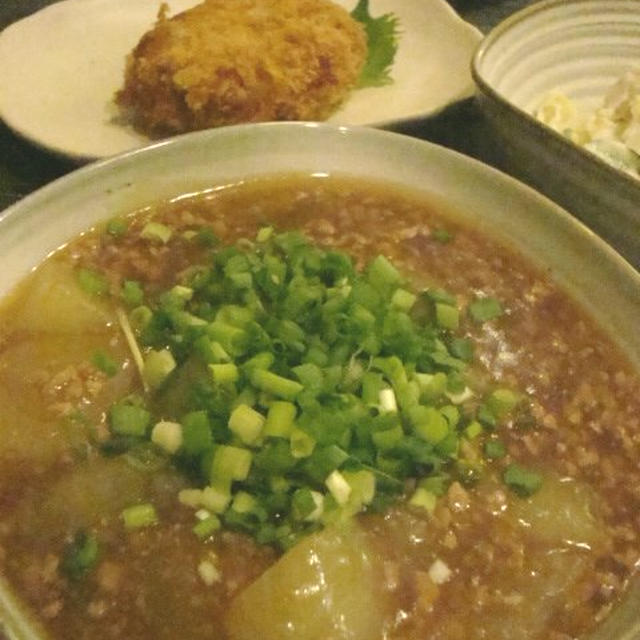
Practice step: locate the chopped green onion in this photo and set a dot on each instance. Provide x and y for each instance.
(264, 234)
(324, 460)
(129, 419)
(232, 339)
(167, 435)
(157, 367)
(442, 235)
(307, 504)
(81, 555)
(190, 497)
(473, 430)
(300, 391)
(132, 293)
(302, 444)
(521, 480)
(92, 282)
(277, 385)
(447, 316)
(206, 237)
(403, 299)
(207, 526)
(502, 401)
(462, 348)
(156, 231)
(196, 433)
(230, 463)
(451, 414)
(494, 449)
(262, 360)
(382, 273)
(235, 315)
(436, 484)
(243, 502)
(117, 227)
(372, 385)
(280, 419)
(423, 498)
(388, 438)
(275, 458)
(246, 423)
(139, 515)
(105, 363)
(210, 351)
(215, 498)
(432, 386)
(485, 309)
(338, 487)
(180, 292)
(224, 373)
(429, 423)
(461, 396)
(486, 417)
(387, 401)
(363, 486)
(140, 317)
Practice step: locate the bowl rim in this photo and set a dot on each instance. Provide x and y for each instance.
(101, 167)
(491, 93)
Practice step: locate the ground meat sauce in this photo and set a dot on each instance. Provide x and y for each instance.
(484, 564)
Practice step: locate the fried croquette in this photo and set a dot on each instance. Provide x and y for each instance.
(233, 61)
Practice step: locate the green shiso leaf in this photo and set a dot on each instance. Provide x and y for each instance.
(382, 37)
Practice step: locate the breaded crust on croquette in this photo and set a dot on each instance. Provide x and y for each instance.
(233, 61)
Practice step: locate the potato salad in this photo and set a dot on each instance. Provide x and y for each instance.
(611, 130)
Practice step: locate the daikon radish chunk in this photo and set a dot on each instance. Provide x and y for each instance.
(327, 586)
(560, 513)
(58, 303)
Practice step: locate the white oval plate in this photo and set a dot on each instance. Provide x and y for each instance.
(62, 65)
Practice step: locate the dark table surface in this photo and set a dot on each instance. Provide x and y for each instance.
(24, 168)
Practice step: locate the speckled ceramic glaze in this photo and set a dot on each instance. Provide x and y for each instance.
(605, 285)
(579, 47)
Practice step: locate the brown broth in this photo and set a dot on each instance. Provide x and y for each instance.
(547, 568)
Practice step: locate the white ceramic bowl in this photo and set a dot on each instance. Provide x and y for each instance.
(579, 47)
(598, 277)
